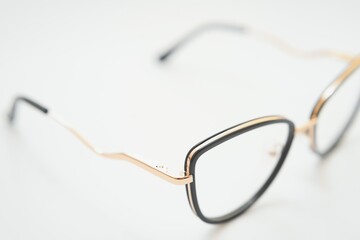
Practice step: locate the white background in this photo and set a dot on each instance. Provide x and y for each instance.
(94, 62)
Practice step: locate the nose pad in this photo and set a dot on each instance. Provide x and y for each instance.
(275, 150)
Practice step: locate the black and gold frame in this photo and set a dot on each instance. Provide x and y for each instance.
(188, 176)
(221, 137)
(326, 95)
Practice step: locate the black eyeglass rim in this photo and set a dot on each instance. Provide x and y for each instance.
(346, 127)
(192, 197)
(341, 135)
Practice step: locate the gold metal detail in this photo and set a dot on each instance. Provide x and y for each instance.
(179, 180)
(190, 199)
(275, 150)
(282, 45)
(306, 128)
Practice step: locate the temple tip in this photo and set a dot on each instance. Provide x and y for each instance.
(12, 113)
(163, 57)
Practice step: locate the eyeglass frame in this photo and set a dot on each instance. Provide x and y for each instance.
(187, 178)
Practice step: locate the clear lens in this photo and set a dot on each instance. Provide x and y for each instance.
(230, 174)
(337, 113)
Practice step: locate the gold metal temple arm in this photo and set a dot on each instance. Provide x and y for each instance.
(179, 180)
(276, 42)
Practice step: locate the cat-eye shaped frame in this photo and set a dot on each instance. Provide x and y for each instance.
(187, 177)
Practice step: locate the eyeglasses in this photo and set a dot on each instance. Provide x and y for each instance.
(225, 174)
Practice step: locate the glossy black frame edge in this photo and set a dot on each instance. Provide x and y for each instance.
(262, 189)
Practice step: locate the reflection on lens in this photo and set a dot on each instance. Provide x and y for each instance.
(337, 114)
(230, 174)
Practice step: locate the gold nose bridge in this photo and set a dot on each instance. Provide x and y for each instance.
(306, 128)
